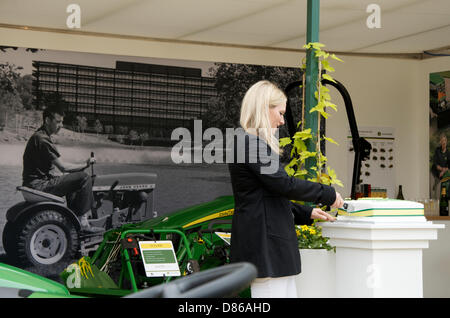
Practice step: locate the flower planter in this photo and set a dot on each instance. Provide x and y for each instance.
(318, 276)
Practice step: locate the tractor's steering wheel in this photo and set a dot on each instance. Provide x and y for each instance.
(218, 282)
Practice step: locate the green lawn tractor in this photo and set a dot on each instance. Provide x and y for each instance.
(188, 249)
(137, 256)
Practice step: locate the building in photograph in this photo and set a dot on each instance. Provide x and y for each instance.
(146, 98)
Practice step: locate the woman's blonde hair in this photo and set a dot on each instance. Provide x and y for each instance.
(255, 111)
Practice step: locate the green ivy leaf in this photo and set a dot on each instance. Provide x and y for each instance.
(307, 154)
(299, 145)
(318, 108)
(331, 172)
(303, 135)
(334, 57)
(326, 66)
(325, 97)
(329, 104)
(316, 45)
(328, 77)
(324, 114)
(290, 171)
(293, 152)
(333, 177)
(320, 53)
(338, 182)
(324, 89)
(325, 179)
(285, 141)
(330, 140)
(324, 94)
(323, 158)
(300, 173)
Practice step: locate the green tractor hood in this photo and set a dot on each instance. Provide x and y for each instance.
(190, 217)
(28, 284)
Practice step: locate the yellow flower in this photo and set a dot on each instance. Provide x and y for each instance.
(304, 227)
(312, 231)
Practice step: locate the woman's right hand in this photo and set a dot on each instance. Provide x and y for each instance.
(318, 214)
(339, 202)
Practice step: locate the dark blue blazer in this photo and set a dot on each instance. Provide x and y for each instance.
(263, 231)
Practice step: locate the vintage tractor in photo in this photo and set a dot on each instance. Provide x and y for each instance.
(43, 233)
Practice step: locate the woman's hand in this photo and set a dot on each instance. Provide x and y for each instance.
(339, 202)
(90, 162)
(321, 215)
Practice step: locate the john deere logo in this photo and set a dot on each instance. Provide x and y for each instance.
(226, 213)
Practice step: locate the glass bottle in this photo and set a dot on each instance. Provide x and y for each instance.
(400, 193)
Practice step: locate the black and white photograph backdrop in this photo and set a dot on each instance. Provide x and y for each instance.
(124, 110)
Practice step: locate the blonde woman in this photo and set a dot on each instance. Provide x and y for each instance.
(263, 230)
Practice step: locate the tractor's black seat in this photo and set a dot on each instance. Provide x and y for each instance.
(33, 195)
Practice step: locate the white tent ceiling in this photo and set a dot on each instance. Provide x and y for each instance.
(407, 26)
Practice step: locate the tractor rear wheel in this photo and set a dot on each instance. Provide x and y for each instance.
(8, 239)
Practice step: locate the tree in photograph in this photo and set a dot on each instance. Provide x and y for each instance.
(10, 101)
(109, 129)
(25, 91)
(15, 92)
(98, 126)
(81, 124)
(9, 75)
(33, 119)
(123, 130)
(144, 137)
(133, 136)
(232, 81)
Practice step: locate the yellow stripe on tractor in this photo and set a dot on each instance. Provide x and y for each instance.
(210, 217)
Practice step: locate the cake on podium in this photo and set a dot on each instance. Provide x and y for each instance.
(381, 210)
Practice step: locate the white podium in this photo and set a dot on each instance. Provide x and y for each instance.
(379, 250)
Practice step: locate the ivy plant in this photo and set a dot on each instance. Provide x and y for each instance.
(321, 172)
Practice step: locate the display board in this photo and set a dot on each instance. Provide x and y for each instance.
(379, 170)
(159, 258)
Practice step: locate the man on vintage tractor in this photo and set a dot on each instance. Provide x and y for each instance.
(40, 160)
